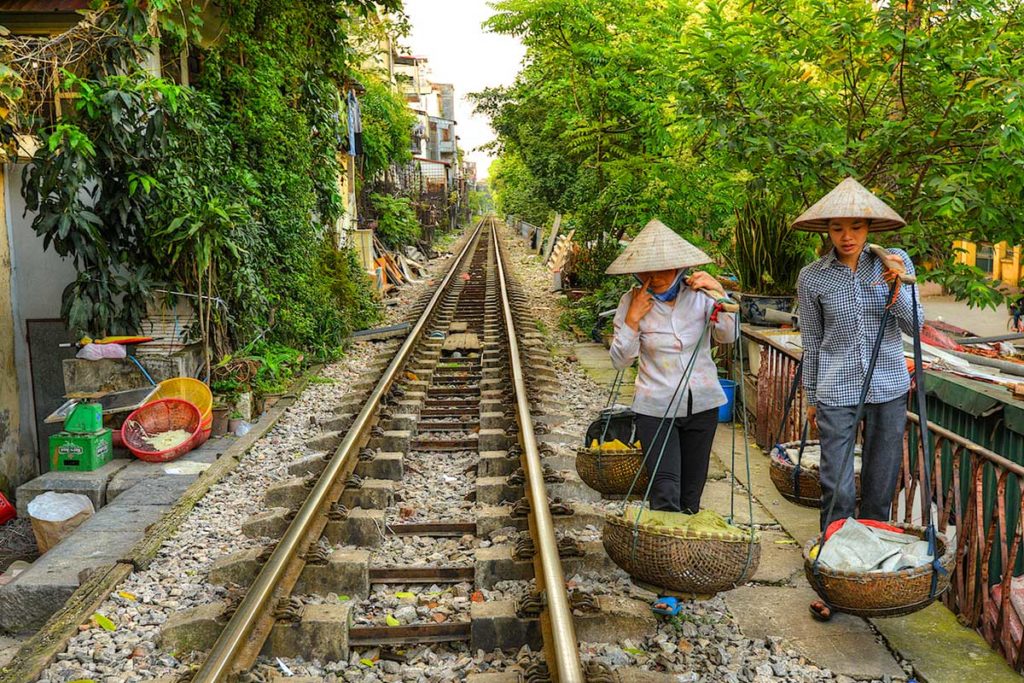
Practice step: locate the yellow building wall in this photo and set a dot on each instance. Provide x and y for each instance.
(9, 410)
(1006, 260)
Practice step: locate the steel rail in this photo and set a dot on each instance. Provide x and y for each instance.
(563, 647)
(257, 603)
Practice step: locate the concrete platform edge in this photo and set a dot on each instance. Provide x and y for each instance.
(42, 648)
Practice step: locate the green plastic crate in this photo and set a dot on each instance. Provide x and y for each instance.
(80, 452)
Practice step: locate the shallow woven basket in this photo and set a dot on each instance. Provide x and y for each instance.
(781, 470)
(684, 562)
(611, 472)
(880, 594)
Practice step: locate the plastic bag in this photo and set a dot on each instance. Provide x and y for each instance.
(55, 515)
(101, 351)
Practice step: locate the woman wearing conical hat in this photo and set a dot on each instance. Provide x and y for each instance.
(661, 322)
(842, 297)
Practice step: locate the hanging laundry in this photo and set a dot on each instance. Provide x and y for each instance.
(355, 124)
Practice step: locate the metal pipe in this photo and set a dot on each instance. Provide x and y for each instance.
(564, 647)
(217, 666)
(1007, 366)
(969, 341)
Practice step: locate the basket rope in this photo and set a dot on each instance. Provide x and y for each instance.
(738, 350)
(930, 534)
(684, 380)
(673, 405)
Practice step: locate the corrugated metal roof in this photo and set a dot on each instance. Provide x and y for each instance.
(39, 6)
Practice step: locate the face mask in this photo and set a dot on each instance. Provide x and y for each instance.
(672, 292)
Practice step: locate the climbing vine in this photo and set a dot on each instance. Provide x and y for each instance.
(226, 188)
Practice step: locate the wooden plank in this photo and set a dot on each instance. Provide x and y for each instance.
(380, 333)
(464, 341)
(40, 650)
(561, 253)
(554, 236)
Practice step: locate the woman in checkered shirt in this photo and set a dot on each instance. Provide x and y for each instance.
(842, 298)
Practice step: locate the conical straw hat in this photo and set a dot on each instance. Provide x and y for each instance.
(657, 248)
(849, 199)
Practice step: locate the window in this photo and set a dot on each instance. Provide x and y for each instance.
(985, 257)
(446, 134)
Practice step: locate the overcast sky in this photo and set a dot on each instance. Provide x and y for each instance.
(449, 34)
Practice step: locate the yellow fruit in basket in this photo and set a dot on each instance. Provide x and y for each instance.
(814, 552)
(636, 444)
(594, 445)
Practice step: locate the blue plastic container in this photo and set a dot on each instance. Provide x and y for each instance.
(725, 411)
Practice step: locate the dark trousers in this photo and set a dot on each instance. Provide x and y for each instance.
(683, 470)
(881, 459)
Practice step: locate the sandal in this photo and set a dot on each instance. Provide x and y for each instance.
(670, 606)
(820, 610)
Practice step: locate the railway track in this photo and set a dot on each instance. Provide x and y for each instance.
(455, 393)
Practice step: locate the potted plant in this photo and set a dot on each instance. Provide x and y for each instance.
(767, 258)
(235, 420)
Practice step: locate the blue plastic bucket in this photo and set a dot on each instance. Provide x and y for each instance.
(725, 411)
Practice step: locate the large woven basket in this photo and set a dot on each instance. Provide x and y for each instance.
(611, 472)
(679, 561)
(783, 471)
(880, 594)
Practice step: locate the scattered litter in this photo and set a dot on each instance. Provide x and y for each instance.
(186, 467)
(103, 622)
(284, 668)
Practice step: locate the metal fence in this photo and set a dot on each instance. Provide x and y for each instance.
(976, 497)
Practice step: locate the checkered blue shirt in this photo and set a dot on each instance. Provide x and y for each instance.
(840, 312)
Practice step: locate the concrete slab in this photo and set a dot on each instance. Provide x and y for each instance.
(781, 559)
(38, 592)
(799, 522)
(163, 490)
(139, 470)
(846, 645)
(716, 497)
(593, 359)
(8, 649)
(92, 484)
(941, 650)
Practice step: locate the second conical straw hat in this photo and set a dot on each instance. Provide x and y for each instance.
(657, 248)
(849, 199)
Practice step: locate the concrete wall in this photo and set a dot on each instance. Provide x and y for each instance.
(33, 283)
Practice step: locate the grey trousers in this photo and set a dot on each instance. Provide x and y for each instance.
(881, 459)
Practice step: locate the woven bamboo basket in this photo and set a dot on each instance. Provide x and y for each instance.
(782, 472)
(880, 594)
(611, 472)
(699, 564)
